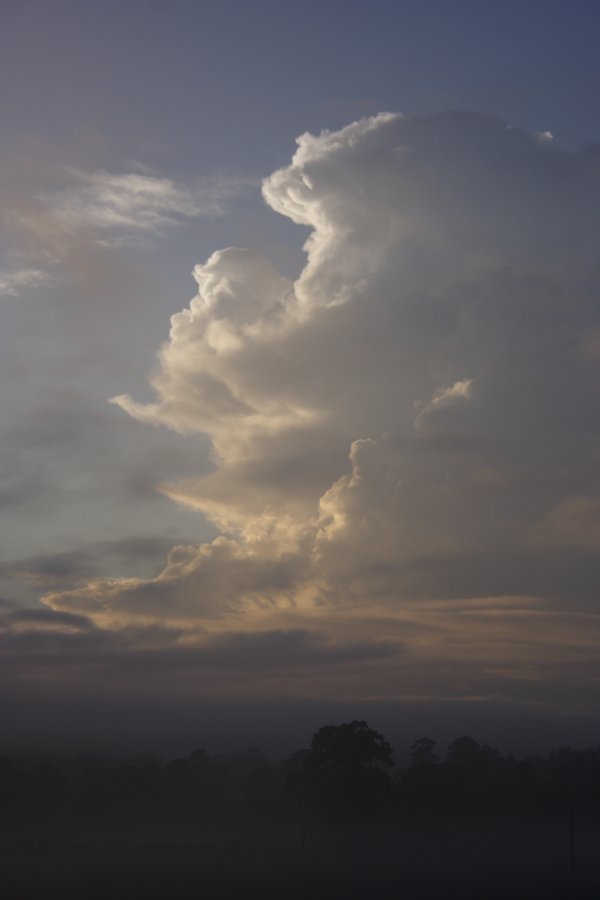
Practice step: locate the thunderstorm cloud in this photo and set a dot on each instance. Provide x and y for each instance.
(404, 438)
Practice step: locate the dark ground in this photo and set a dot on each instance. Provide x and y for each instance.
(497, 859)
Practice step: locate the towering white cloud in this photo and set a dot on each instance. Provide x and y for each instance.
(415, 417)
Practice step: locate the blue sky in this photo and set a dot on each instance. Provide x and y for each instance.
(135, 138)
(232, 83)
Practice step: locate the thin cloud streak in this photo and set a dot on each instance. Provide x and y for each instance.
(131, 203)
(17, 280)
(104, 209)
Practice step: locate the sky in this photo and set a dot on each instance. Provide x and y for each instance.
(298, 371)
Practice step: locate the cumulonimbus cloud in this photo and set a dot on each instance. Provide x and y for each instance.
(415, 418)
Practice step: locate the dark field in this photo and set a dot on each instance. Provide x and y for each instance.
(504, 858)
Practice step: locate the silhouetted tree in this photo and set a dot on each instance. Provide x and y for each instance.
(422, 752)
(200, 758)
(347, 768)
(463, 751)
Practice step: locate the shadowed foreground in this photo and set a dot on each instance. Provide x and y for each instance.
(506, 859)
(330, 821)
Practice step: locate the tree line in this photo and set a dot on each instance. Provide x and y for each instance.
(347, 774)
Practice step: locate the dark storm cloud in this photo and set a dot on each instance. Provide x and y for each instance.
(47, 570)
(278, 648)
(34, 640)
(139, 688)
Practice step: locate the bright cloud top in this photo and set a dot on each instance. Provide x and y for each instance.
(414, 420)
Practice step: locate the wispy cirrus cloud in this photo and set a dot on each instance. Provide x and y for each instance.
(103, 209)
(12, 282)
(118, 209)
